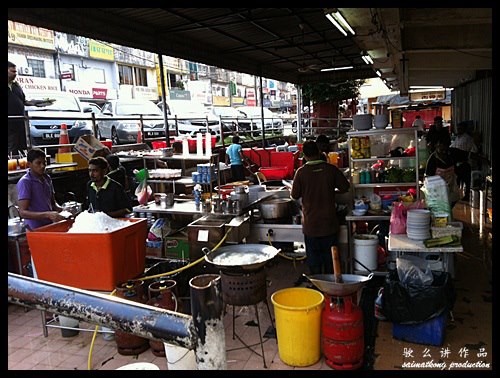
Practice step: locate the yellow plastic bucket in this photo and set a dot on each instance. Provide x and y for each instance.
(298, 325)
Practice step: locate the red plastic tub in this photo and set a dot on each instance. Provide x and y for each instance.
(93, 261)
(274, 173)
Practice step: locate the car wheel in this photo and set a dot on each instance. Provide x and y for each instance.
(114, 137)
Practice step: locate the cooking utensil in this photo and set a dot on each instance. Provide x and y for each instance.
(16, 225)
(245, 256)
(336, 265)
(351, 283)
(275, 208)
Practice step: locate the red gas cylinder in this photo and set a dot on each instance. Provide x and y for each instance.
(127, 343)
(343, 333)
(161, 294)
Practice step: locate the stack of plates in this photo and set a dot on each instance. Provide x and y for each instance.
(418, 224)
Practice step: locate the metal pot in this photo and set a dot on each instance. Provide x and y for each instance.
(73, 207)
(276, 208)
(16, 226)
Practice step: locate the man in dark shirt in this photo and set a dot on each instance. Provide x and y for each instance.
(105, 194)
(16, 132)
(437, 133)
(315, 183)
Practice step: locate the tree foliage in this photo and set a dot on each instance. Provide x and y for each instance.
(324, 92)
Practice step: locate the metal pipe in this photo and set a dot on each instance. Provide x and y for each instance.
(207, 309)
(120, 314)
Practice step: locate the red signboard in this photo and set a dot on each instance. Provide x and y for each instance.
(99, 93)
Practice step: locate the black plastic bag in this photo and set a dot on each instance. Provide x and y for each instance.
(410, 304)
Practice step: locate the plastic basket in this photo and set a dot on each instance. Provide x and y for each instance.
(452, 228)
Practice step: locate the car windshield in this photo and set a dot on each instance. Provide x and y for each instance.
(184, 107)
(226, 112)
(137, 108)
(254, 111)
(62, 103)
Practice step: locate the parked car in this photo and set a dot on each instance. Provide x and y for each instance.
(46, 130)
(126, 127)
(254, 121)
(192, 117)
(96, 109)
(228, 115)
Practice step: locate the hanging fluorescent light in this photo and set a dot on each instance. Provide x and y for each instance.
(367, 58)
(426, 87)
(337, 25)
(337, 68)
(340, 22)
(378, 73)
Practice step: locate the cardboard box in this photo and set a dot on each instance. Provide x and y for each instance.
(154, 248)
(176, 246)
(88, 146)
(72, 157)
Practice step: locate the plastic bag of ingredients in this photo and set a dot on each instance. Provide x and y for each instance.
(143, 192)
(398, 218)
(413, 270)
(435, 190)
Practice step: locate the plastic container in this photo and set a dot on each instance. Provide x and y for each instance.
(365, 251)
(274, 173)
(298, 325)
(430, 332)
(179, 358)
(362, 122)
(158, 144)
(93, 261)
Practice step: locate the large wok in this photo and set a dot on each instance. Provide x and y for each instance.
(351, 283)
(241, 256)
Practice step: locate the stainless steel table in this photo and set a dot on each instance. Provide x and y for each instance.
(401, 244)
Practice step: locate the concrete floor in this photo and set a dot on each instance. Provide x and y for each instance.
(468, 336)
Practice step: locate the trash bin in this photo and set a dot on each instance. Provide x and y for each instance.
(298, 325)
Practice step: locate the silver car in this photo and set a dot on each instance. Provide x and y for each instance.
(45, 122)
(254, 120)
(124, 123)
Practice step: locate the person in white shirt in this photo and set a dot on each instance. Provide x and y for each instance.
(463, 149)
(419, 123)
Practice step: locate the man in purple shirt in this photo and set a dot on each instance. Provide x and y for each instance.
(35, 193)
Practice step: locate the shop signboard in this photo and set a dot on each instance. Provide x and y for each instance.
(99, 50)
(27, 35)
(38, 84)
(221, 100)
(179, 94)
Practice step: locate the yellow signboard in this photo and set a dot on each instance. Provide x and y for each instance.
(220, 101)
(28, 35)
(158, 80)
(100, 50)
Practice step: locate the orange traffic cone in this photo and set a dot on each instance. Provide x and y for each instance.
(64, 139)
(139, 134)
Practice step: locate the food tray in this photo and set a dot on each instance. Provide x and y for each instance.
(452, 228)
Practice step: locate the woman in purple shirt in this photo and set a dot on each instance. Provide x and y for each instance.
(35, 193)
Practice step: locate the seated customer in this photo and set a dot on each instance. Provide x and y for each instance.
(105, 194)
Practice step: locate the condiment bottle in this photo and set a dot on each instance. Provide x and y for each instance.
(355, 177)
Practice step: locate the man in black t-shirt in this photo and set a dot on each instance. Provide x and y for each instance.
(105, 194)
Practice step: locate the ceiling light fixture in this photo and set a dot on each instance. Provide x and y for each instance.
(426, 87)
(378, 73)
(336, 68)
(366, 58)
(336, 18)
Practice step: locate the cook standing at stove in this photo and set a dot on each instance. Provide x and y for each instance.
(105, 194)
(315, 184)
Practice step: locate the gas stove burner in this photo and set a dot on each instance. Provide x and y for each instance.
(243, 289)
(284, 220)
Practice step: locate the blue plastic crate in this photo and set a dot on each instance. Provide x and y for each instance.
(430, 332)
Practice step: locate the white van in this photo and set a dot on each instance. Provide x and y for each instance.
(192, 117)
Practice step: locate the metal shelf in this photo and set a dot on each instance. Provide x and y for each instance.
(384, 184)
(369, 160)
